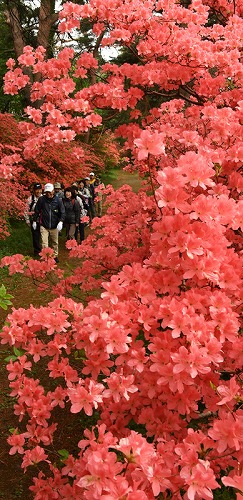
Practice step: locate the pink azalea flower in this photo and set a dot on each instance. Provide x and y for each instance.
(120, 387)
(17, 442)
(228, 392)
(235, 481)
(150, 143)
(85, 399)
(201, 480)
(33, 457)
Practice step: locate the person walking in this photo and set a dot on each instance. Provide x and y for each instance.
(28, 215)
(83, 207)
(50, 212)
(92, 178)
(90, 188)
(98, 187)
(58, 190)
(72, 212)
(84, 194)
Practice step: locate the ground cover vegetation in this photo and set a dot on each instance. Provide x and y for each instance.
(153, 365)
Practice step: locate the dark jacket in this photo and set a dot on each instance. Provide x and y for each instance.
(72, 211)
(92, 191)
(50, 211)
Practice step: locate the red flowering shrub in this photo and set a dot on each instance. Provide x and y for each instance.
(11, 191)
(66, 162)
(156, 361)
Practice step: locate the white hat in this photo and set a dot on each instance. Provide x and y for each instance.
(48, 187)
(87, 179)
(91, 173)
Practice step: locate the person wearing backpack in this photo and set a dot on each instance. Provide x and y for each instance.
(90, 189)
(72, 212)
(28, 216)
(98, 187)
(50, 212)
(81, 199)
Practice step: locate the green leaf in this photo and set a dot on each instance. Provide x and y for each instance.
(5, 298)
(64, 454)
(17, 352)
(10, 357)
(80, 354)
(12, 430)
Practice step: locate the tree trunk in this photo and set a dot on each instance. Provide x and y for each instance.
(47, 18)
(92, 73)
(13, 20)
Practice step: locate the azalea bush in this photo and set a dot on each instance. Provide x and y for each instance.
(154, 365)
(20, 168)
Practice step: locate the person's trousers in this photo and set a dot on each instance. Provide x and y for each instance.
(36, 239)
(49, 238)
(99, 208)
(70, 229)
(92, 212)
(80, 229)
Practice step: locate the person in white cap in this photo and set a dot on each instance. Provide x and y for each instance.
(50, 212)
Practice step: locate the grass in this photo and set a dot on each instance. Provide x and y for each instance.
(19, 241)
(110, 176)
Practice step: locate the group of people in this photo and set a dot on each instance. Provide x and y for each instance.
(50, 209)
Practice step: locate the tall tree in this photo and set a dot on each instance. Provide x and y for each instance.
(30, 24)
(7, 104)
